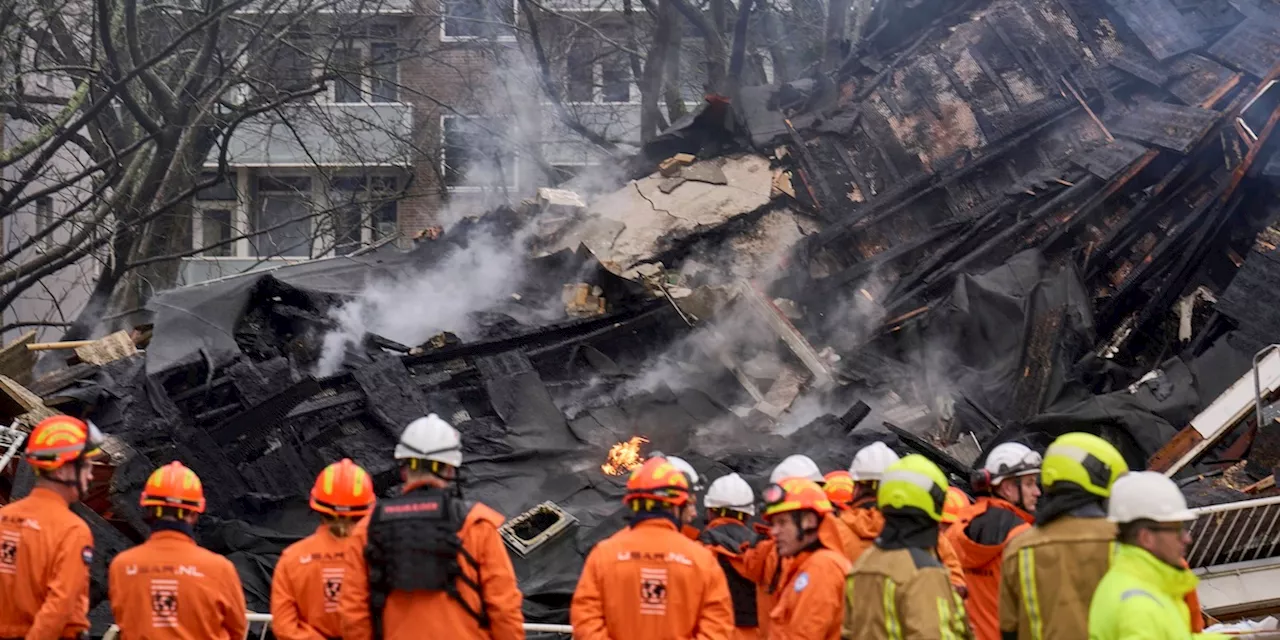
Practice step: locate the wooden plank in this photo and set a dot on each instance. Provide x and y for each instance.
(1159, 25)
(1170, 126)
(16, 361)
(1197, 78)
(1253, 46)
(1235, 404)
(107, 349)
(18, 402)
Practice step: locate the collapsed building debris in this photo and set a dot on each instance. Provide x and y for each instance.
(1001, 219)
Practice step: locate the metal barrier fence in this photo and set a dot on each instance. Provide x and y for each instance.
(1235, 532)
(264, 619)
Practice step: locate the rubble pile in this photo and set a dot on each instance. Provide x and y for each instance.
(998, 219)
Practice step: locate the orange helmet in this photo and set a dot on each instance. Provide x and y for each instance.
(57, 440)
(956, 501)
(174, 485)
(659, 480)
(343, 489)
(795, 494)
(839, 487)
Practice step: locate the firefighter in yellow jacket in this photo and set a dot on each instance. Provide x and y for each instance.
(1050, 572)
(899, 589)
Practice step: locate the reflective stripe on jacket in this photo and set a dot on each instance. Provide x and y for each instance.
(867, 523)
(45, 553)
(1142, 598)
(1049, 576)
(982, 560)
(903, 594)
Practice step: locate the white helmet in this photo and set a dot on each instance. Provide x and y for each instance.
(870, 462)
(796, 466)
(1010, 460)
(688, 471)
(1147, 495)
(730, 492)
(430, 438)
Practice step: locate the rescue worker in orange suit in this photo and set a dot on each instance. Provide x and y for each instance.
(402, 586)
(1008, 484)
(45, 549)
(864, 517)
(1051, 571)
(689, 512)
(810, 603)
(169, 587)
(648, 581)
(899, 589)
(730, 504)
(308, 577)
(957, 501)
(761, 563)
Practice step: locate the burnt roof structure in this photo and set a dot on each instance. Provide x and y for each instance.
(988, 224)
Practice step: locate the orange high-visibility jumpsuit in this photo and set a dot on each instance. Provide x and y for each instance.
(45, 553)
(983, 563)
(168, 587)
(650, 582)
(811, 602)
(413, 615)
(306, 586)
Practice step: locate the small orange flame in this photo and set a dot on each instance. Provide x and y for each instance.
(624, 456)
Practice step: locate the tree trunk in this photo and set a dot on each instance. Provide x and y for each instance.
(837, 25)
(651, 84)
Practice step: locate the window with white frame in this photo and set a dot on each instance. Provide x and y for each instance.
(472, 19)
(478, 153)
(363, 210)
(596, 74)
(214, 217)
(367, 67)
(280, 221)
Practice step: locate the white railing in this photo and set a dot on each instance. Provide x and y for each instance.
(265, 619)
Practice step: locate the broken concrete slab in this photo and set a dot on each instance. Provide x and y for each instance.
(708, 172)
(650, 217)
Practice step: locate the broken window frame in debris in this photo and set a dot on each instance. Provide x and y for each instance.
(563, 524)
(453, 176)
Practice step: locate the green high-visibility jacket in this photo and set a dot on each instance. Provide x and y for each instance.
(1143, 598)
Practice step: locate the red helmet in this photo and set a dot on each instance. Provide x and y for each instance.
(659, 480)
(838, 486)
(174, 485)
(795, 494)
(343, 489)
(60, 439)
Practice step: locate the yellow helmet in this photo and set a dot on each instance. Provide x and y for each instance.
(1085, 460)
(913, 482)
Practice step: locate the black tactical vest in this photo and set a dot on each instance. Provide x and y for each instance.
(741, 590)
(414, 546)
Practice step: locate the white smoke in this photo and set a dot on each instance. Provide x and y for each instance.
(412, 308)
